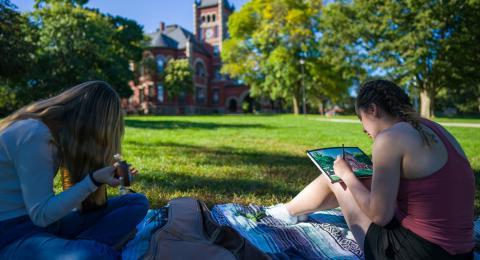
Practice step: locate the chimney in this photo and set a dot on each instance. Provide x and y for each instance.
(162, 26)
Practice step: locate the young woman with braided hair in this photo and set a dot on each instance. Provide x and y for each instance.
(419, 203)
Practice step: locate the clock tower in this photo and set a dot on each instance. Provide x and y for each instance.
(210, 19)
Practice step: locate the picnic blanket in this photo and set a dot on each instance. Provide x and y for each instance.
(324, 235)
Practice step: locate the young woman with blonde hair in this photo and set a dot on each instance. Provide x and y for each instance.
(419, 204)
(77, 133)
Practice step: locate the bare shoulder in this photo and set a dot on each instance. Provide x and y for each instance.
(397, 136)
(451, 139)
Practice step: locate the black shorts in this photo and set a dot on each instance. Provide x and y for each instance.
(396, 242)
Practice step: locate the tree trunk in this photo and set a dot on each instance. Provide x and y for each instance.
(427, 99)
(296, 108)
(478, 99)
(320, 108)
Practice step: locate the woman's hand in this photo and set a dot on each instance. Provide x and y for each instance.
(106, 175)
(342, 169)
(132, 170)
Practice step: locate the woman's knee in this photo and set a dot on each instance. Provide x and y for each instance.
(48, 246)
(138, 201)
(138, 198)
(87, 249)
(131, 199)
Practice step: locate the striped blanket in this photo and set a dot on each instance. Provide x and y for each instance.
(324, 235)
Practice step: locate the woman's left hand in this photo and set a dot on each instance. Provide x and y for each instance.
(342, 169)
(132, 170)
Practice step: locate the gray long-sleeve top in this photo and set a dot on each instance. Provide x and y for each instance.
(27, 168)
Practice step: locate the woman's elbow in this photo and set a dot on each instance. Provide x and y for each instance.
(382, 219)
(39, 219)
(39, 222)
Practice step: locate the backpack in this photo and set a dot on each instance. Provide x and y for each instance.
(191, 233)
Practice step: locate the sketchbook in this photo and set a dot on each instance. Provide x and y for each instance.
(359, 162)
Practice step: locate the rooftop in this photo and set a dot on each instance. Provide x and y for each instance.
(174, 37)
(208, 3)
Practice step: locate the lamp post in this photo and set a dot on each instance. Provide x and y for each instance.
(304, 108)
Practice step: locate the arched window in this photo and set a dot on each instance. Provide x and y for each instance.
(199, 70)
(203, 18)
(213, 17)
(208, 18)
(199, 95)
(160, 63)
(160, 93)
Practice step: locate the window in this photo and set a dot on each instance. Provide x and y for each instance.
(160, 93)
(218, 75)
(208, 18)
(160, 63)
(203, 18)
(151, 92)
(199, 70)
(200, 95)
(216, 96)
(216, 50)
(213, 18)
(141, 95)
(182, 97)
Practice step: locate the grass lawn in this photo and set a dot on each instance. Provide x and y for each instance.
(243, 159)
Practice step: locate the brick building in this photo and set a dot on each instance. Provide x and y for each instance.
(213, 92)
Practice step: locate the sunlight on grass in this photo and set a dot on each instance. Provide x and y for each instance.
(242, 159)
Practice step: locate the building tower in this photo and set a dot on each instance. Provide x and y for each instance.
(210, 18)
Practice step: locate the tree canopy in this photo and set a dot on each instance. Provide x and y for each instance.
(177, 77)
(269, 41)
(61, 44)
(429, 47)
(426, 45)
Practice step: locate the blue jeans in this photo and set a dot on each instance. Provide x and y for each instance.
(80, 236)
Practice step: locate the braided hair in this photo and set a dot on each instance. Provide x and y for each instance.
(394, 101)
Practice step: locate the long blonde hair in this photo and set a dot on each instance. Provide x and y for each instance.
(86, 123)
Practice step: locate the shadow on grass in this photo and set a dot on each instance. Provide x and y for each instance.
(179, 182)
(275, 174)
(226, 155)
(210, 189)
(173, 124)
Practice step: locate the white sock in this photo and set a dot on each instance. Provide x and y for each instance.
(302, 218)
(280, 212)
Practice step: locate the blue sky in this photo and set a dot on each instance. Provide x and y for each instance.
(148, 13)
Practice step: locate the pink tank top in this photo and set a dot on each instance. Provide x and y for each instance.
(439, 207)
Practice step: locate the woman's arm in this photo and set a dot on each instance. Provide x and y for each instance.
(379, 203)
(34, 164)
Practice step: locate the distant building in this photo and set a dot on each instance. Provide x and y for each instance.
(213, 92)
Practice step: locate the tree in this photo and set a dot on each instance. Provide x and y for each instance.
(78, 44)
(59, 45)
(40, 3)
(177, 77)
(15, 42)
(17, 37)
(464, 51)
(411, 41)
(267, 41)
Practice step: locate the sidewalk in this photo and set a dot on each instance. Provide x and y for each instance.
(353, 121)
